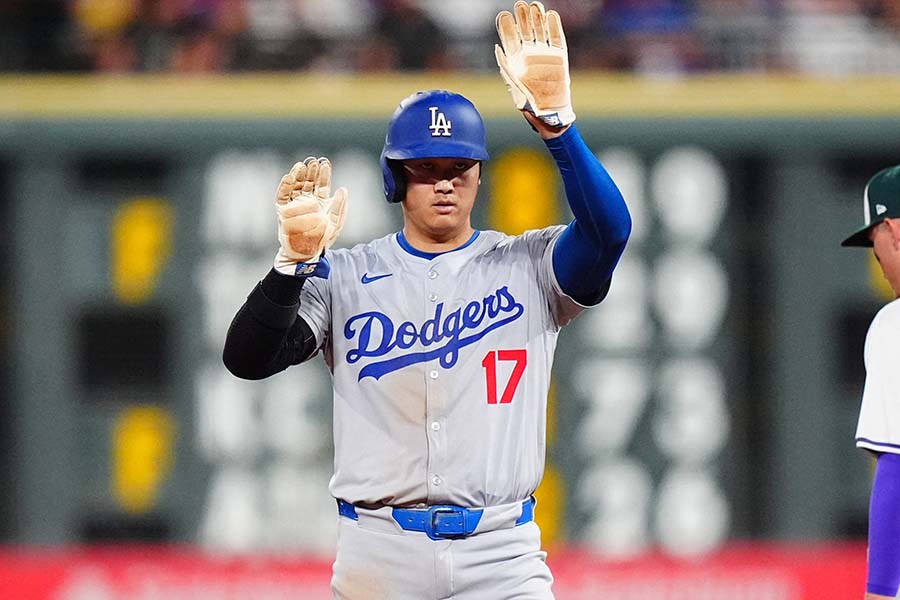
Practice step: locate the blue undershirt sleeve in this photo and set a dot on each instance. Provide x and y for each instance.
(884, 527)
(589, 248)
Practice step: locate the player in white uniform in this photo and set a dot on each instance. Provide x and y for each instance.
(878, 430)
(440, 337)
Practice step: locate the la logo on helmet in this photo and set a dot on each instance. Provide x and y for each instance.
(440, 126)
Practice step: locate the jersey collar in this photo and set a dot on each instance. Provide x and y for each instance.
(401, 240)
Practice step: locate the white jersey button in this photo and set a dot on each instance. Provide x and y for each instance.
(436, 426)
(432, 297)
(436, 480)
(432, 274)
(433, 374)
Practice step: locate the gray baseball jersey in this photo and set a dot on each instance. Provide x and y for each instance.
(879, 417)
(441, 367)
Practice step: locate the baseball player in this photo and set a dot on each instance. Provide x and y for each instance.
(878, 430)
(440, 337)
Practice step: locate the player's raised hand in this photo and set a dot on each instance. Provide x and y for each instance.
(310, 217)
(534, 62)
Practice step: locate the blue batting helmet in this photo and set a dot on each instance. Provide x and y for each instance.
(432, 124)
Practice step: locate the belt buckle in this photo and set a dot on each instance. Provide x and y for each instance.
(434, 513)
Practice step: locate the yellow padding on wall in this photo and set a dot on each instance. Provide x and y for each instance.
(143, 438)
(522, 192)
(550, 511)
(595, 94)
(141, 246)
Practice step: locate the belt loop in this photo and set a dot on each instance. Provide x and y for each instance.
(347, 510)
(527, 512)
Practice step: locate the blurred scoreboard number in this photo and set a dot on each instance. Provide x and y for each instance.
(123, 345)
(656, 412)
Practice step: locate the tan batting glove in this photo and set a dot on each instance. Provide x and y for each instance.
(309, 217)
(534, 62)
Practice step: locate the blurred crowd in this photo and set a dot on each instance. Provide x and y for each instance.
(828, 37)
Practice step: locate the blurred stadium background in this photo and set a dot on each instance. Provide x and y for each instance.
(702, 418)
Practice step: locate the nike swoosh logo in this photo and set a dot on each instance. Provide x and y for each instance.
(366, 279)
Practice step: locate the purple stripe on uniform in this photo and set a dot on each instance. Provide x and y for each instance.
(885, 444)
(884, 528)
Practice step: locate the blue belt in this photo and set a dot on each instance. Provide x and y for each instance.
(440, 521)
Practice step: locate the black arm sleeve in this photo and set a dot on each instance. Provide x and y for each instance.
(265, 336)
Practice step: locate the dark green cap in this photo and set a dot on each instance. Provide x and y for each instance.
(881, 200)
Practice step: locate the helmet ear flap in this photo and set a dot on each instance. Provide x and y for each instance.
(396, 168)
(394, 180)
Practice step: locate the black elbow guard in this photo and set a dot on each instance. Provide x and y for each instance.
(268, 313)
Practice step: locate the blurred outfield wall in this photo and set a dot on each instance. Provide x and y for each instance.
(711, 398)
